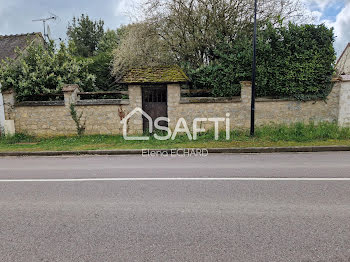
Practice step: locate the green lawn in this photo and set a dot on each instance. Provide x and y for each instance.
(281, 135)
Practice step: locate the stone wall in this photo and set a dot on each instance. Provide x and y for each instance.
(53, 118)
(104, 116)
(267, 110)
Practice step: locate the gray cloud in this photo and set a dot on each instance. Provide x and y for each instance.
(341, 24)
(16, 15)
(341, 29)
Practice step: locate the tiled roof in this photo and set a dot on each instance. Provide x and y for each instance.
(9, 43)
(159, 74)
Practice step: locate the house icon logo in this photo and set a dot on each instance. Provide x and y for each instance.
(181, 126)
(125, 121)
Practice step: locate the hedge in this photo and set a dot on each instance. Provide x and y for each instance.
(294, 61)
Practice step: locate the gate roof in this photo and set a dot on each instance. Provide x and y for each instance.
(155, 75)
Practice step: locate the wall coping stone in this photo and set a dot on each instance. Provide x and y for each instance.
(40, 103)
(70, 88)
(192, 100)
(96, 102)
(8, 91)
(246, 83)
(273, 99)
(345, 78)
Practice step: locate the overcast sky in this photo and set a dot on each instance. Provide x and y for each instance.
(16, 15)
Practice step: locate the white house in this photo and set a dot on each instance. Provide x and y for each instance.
(343, 63)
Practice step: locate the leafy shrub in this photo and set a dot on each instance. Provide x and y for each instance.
(101, 68)
(45, 70)
(223, 76)
(102, 60)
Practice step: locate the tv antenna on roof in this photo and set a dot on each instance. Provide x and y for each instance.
(44, 20)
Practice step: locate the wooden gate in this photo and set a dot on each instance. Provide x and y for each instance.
(154, 103)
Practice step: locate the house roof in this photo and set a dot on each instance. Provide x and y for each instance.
(9, 43)
(154, 75)
(342, 54)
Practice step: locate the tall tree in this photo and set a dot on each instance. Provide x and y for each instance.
(140, 46)
(191, 28)
(85, 34)
(108, 41)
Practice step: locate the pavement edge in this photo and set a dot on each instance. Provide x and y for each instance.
(236, 150)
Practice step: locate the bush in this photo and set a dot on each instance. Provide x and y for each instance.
(45, 70)
(102, 61)
(223, 76)
(295, 61)
(101, 68)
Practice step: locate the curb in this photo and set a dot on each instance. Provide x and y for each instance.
(245, 150)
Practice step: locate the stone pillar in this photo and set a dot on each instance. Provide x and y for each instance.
(9, 100)
(344, 102)
(174, 96)
(9, 97)
(135, 96)
(135, 124)
(246, 91)
(70, 94)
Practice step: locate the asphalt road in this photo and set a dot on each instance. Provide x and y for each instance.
(271, 207)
